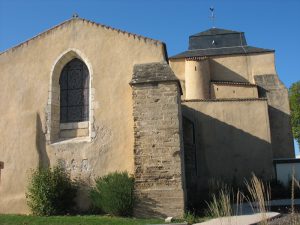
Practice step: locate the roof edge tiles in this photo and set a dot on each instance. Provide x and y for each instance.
(226, 100)
(232, 83)
(84, 20)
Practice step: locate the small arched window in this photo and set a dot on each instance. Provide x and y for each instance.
(74, 92)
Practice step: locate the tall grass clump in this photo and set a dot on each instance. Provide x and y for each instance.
(113, 194)
(220, 204)
(50, 192)
(259, 196)
(222, 199)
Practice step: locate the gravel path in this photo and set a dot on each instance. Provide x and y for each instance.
(286, 219)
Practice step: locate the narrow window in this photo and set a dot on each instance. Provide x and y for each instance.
(74, 92)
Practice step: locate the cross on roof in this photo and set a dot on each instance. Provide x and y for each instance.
(212, 16)
(75, 15)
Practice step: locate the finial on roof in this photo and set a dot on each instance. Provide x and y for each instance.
(212, 16)
(75, 15)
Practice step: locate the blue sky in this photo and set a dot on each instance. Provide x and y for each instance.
(273, 24)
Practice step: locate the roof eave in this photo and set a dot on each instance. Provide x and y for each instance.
(179, 56)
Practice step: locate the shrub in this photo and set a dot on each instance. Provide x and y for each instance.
(190, 217)
(113, 194)
(50, 192)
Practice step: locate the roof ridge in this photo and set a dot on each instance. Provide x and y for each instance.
(84, 20)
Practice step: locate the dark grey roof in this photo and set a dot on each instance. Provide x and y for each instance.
(214, 31)
(220, 51)
(216, 38)
(216, 41)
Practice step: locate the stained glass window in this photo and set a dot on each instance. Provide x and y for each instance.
(74, 92)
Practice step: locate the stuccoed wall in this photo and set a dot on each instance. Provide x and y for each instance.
(219, 90)
(158, 142)
(26, 73)
(257, 69)
(233, 68)
(232, 139)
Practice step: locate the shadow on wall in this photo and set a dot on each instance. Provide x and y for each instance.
(222, 73)
(40, 140)
(224, 153)
(145, 207)
(281, 134)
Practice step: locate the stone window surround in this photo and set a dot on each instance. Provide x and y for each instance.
(53, 125)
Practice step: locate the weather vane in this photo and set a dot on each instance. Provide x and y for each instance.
(212, 16)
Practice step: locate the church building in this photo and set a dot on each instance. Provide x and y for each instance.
(96, 100)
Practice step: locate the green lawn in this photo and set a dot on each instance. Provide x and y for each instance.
(73, 220)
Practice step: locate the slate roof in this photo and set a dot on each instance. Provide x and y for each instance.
(216, 41)
(214, 31)
(220, 51)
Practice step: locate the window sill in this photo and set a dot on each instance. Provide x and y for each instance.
(71, 141)
(74, 125)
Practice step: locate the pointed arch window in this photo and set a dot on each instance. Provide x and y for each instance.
(74, 92)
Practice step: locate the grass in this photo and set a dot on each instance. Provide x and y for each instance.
(73, 220)
(220, 205)
(258, 198)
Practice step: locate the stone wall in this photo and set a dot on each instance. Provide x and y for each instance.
(279, 114)
(158, 142)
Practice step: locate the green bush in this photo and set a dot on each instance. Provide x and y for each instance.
(50, 192)
(190, 217)
(113, 194)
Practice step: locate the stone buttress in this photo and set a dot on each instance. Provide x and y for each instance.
(158, 147)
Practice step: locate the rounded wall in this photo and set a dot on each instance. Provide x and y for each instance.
(197, 79)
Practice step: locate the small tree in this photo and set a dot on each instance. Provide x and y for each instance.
(50, 192)
(294, 95)
(113, 194)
